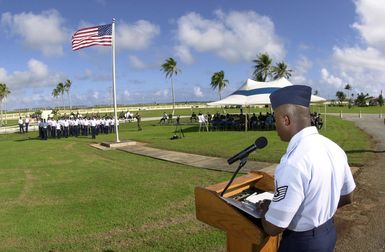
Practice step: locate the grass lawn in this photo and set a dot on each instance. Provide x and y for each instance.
(63, 195)
(226, 143)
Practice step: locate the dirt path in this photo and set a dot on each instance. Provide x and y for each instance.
(361, 226)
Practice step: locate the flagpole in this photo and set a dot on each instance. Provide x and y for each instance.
(114, 81)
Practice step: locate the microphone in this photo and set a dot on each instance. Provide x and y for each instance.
(260, 143)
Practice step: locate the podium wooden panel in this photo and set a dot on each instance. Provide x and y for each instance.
(243, 233)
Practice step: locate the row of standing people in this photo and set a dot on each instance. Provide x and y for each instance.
(66, 127)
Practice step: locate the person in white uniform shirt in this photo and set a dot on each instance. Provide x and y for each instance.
(26, 123)
(93, 127)
(312, 180)
(21, 125)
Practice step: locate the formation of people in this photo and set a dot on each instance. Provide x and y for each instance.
(261, 121)
(316, 120)
(236, 121)
(75, 126)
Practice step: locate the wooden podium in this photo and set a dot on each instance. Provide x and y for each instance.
(244, 233)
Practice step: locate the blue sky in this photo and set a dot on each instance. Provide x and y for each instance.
(327, 43)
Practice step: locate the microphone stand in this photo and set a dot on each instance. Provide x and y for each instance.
(241, 164)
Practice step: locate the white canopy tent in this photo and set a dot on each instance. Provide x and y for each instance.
(257, 93)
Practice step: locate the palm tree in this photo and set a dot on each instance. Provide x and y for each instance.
(361, 99)
(60, 89)
(218, 82)
(67, 87)
(262, 68)
(170, 69)
(55, 93)
(340, 96)
(349, 88)
(4, 92)
(280, 70)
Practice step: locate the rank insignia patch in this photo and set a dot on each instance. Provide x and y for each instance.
(280, 193)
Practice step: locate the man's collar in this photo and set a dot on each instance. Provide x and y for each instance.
(300, 135)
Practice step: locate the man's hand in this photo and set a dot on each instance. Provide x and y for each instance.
(269, 228)
(263, 206)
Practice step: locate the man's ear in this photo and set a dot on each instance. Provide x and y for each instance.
(286, 120)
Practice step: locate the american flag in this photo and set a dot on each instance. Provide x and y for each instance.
(97, 35)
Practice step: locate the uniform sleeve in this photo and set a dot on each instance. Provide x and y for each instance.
(288, 196)
(349, 184)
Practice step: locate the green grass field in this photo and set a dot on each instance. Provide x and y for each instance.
(63, 195)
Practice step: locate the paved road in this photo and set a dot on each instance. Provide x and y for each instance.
(361, 226)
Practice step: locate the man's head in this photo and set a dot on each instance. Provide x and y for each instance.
(291, 110)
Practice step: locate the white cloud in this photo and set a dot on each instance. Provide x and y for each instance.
(126, 93)
(95, 95)
(331, 79)
(88, 74)
(137, 36)
(3, 75)
(37, 75)
(235, 36)
(198, 92)
(363, 66)
(136, 62)
(359, 60)
(183, 52)
(161, 93)
(371, 22)
(303, 65)
(44, 31)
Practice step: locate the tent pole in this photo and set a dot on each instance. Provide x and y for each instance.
(325, 117)
(245, 120)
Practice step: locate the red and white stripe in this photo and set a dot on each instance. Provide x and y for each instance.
(88, 37)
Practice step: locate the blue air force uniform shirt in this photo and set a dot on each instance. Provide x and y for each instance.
(309, 180)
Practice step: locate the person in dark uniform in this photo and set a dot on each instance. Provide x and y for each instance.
(93, 127)
(45, 127)
(40, 125)
(312, 180)
(139, 120)
(21, 125)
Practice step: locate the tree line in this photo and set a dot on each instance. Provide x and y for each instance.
(360, 99)
(60, 89)
(264, 70)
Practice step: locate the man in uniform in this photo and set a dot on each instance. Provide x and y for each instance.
(26, 122)
(21, 125)
(138, 120)
(312, 180)
(93, 127)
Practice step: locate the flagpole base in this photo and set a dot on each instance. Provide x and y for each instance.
(119, 144)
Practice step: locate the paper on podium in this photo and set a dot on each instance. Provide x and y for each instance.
(244, 206)
(256, 197)
(248, 205)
